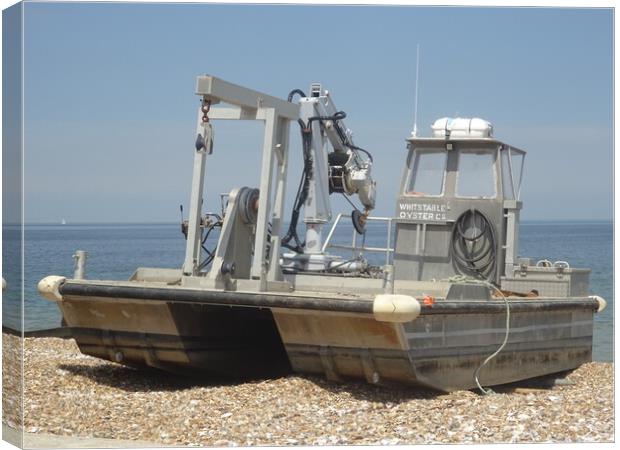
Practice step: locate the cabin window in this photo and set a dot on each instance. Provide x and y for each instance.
(512, 167)
(428, 173)
(507, 177)
(476, 175)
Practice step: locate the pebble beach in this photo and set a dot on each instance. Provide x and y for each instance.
(70, 394)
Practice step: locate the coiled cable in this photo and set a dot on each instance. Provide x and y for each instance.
(473, 245)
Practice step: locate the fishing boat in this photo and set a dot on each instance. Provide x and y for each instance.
(446, 302)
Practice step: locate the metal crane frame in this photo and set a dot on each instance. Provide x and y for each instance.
(277, 114)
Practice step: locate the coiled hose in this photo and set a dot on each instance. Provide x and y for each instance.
(473, 245)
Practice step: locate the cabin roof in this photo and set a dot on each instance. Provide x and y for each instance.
(436, 141)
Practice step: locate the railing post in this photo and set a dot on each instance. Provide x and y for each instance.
(388, 272)
(389, 241)
(80, 264)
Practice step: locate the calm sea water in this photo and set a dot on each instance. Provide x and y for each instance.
(115, 251)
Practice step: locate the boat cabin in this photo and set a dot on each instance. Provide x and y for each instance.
(458, 203)
(457, 213)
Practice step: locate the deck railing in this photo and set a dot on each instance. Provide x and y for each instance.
(356, 249)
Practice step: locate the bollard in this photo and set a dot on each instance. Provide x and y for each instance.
(80, 263)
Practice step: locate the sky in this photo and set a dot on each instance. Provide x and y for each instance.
(110, 107)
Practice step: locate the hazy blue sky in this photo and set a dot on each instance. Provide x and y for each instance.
(110, 106)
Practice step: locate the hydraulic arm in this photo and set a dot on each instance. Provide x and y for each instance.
(332, 164)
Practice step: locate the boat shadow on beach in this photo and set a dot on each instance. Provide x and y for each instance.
(132, 379)
(146, 379)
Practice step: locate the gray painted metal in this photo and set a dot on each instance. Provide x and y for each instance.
(276, 114)
(428, 221)
(194, 235)
(235, 240)
(218, 90)
(548, 281)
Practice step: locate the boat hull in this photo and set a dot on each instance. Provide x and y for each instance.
(440, 351)
(177, 337)
(206, 331)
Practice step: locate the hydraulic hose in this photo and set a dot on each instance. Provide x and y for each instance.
(473, 245)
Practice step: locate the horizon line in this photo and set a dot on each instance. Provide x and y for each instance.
(178, 223)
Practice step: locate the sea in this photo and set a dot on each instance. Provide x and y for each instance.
(116, 250)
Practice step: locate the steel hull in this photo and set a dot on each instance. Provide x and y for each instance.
(179, 338)
(441, 349)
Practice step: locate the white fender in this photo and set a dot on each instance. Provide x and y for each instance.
(48, 287)
(602, 303)
(395, 308)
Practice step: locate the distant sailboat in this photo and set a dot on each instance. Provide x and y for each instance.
(63, 222)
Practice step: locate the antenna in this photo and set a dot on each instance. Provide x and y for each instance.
(414, 133)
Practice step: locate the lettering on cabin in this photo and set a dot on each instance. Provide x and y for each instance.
(432, 212)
